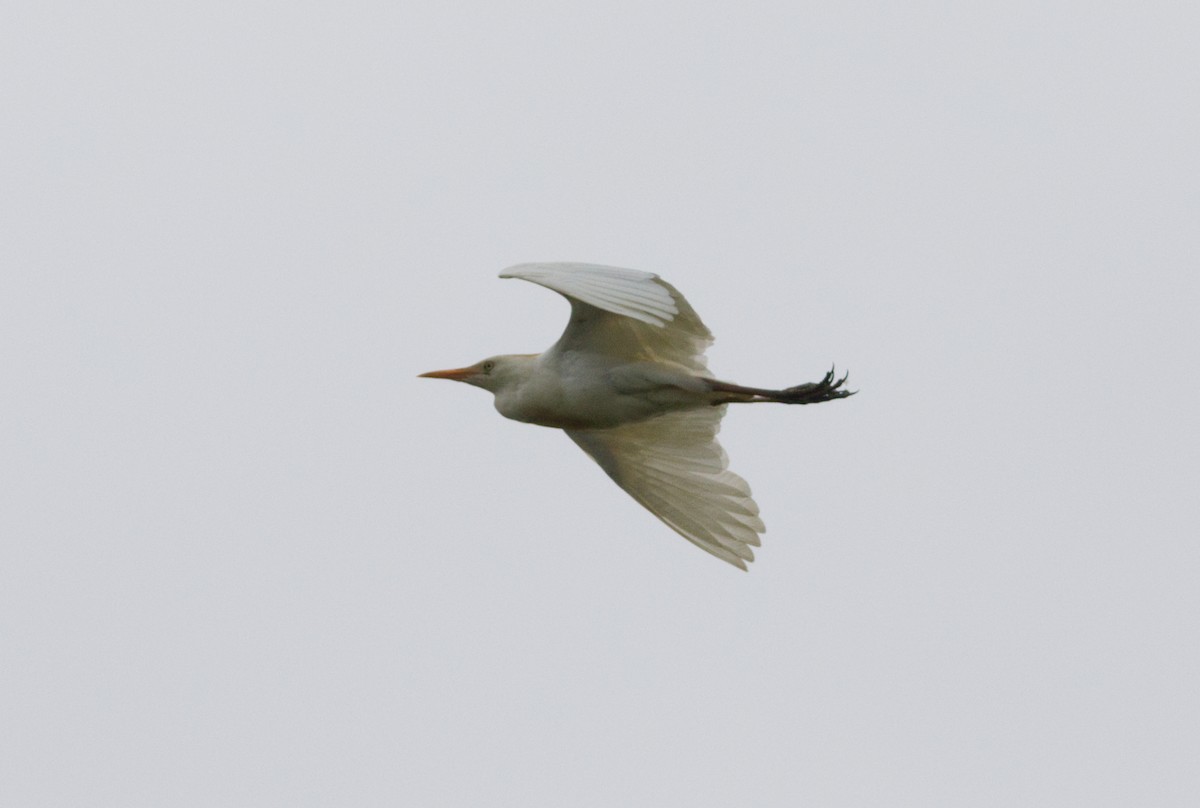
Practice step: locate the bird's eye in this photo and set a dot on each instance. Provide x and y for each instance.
(487, 366)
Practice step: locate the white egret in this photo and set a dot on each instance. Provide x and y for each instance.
(627, 381)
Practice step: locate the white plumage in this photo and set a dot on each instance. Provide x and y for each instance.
(620, 291)
(674, 466)
(628, 382)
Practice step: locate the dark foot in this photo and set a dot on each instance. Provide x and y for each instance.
(815, 392)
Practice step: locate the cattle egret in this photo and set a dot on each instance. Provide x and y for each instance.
(628, 382)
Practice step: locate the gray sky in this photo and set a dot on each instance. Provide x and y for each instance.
(249, 559)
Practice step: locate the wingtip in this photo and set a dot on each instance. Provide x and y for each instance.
(577, 266)
(515, 270)
(739, 561)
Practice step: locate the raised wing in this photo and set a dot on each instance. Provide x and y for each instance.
(674, 466)
(623, 313)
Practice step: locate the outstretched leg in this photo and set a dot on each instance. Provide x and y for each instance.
(827, 389)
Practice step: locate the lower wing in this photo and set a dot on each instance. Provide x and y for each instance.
(674, 466)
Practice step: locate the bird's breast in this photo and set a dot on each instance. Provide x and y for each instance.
(588, 395)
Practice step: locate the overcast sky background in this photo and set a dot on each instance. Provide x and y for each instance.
(249, 559)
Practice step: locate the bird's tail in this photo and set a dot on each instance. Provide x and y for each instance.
(827, 389)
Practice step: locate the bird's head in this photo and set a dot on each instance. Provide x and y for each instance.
(491, 374)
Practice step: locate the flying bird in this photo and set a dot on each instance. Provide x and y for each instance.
(628, 382)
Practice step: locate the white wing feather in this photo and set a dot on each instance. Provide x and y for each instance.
(674, 466)
(623, 313)
(628, 292)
